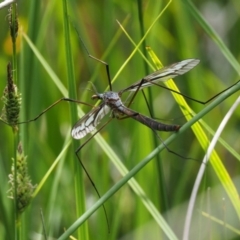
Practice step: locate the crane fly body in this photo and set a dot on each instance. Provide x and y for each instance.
(111, 101)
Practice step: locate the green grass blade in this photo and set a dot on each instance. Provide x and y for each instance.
(215, 161)
(213, 35)
(79, 183)
(198, 131)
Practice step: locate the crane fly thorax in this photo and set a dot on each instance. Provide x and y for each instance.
(112, 99)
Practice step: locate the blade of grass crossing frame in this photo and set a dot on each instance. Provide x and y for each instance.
(140, 42)
(215, 161)
(78, 178)
(217, 165)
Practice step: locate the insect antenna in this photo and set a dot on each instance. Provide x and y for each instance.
(94, 88)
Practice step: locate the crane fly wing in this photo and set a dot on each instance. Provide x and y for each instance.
(164, 74)
(89, 121)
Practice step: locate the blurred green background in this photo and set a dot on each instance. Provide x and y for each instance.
(167, 180)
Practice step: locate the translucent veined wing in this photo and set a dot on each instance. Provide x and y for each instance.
(89, 121)
(164, 74)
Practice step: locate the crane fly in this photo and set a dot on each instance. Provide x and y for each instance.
(111, 102)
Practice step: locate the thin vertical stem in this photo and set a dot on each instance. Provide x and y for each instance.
(79, 186)
(13, 31)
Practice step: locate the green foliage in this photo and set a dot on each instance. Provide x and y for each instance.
(24, 187)
(49, 62)
(11, 100)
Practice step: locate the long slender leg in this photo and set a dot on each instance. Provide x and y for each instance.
(175, 153)
(97, 59)
(85, 170)
(135, 93)
(159, 126)
(185, 96)
(54, 104)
